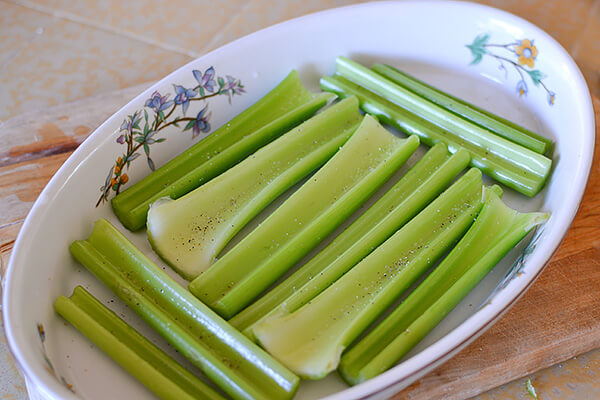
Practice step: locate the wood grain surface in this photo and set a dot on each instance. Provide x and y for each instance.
(558, 318)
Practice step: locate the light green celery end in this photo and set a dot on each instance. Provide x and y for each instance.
(188, 233)
(137, 355)
(420, 185)
(311, 340)
(363, 164)
(494, 233)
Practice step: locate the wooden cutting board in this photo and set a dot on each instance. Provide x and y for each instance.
(558, 318)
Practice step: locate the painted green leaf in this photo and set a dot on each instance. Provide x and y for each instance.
(478, 47)
(536, 76)
(189, 125)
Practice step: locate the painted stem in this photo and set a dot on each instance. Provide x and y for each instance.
(156, 370)
(287, 105)
(311, 340)
(494, 233)
(188, 233)
(228, 358)
(417, 188)
(363, 164)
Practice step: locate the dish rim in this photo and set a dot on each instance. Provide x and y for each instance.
(475, 325)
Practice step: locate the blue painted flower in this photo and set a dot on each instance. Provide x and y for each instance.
(522, 88)
(157, 102)
(201, 123)
(551, 97)
(234, 85)
(183, 96)
(206, 80)
(131, 122)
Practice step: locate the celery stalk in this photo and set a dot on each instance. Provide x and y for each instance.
(528, 170)
(188, 233)
(500, 167)
(284, 107)
(496, 230)
(423, 182)
(240, 368)
(364, 163)
(310, 340)
(511, 131)
(151, 366)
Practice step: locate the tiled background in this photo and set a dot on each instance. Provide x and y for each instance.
(58, 51)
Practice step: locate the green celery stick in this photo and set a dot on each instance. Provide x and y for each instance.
(496, 230)
(363, 164)
(235, 364)
(137, 355)
(500, 167)
(529, 170)
(425, 180)
(310, 340)
(284, 107)
(188, 233)
(493, 123)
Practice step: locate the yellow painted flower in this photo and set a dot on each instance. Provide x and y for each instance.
(124, 179)
(117, 169)
(113, 182)
(527, 53)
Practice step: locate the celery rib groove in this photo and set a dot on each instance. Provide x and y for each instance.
(137, 355)
(513, 132)
(511, 164)
(228, 358)
(496, 230)
(188, 233)
(362, 165)
(425, 180)
(310, 340)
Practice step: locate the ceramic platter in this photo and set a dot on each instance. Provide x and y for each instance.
(486, 56)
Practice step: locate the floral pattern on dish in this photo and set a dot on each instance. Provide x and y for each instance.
(139, 130)
(519, 55)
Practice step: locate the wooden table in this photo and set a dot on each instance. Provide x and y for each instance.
(557, 319)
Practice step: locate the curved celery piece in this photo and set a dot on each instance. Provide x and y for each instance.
(188, 233)
(363, 164)
(421, 184)
(500, 167)
(527, 170)
(284, 107)
(310, 340)
(496, 230)
(156, 370)
(511, 131)
(235, 364)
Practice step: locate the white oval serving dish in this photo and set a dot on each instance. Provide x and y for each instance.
(484, 55)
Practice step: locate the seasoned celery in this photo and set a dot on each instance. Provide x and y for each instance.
(310, 340)
(496, 230)
(513, 165)
(284, 107)
(228, 358)
(423, 182)
(136, 354)
(514, 133)
(500, 167)
(363, 164)
(188, 233)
